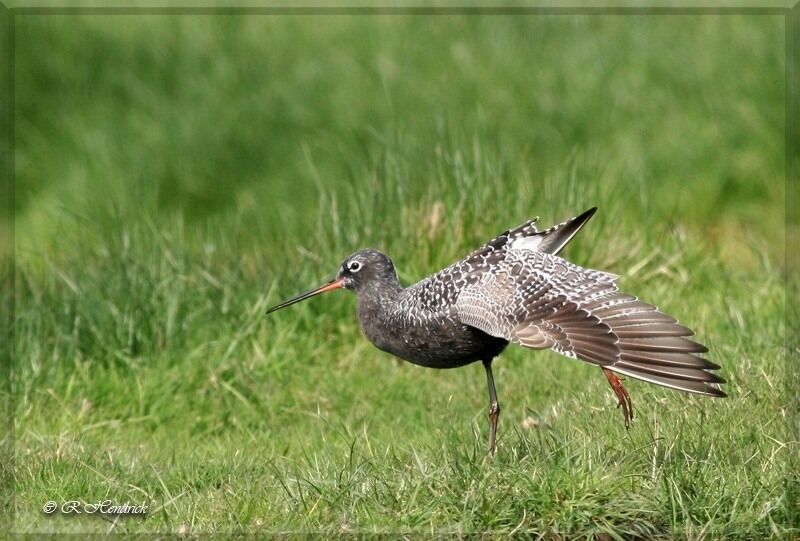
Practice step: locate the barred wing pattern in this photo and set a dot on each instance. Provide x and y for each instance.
(425, 299)
(514, 291)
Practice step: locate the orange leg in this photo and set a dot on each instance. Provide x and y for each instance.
(622, 395)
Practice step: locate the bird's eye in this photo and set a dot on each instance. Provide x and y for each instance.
(354, 266)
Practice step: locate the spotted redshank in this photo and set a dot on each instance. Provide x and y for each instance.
(517, 289)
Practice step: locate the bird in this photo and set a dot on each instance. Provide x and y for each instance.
(516, 289)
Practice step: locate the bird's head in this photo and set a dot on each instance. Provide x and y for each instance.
(360, 271)
(365, 268)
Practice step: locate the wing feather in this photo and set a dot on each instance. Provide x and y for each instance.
(539, 300)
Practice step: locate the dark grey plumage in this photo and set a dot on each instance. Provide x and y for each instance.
(517, 289)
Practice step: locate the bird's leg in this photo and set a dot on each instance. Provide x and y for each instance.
(494, 406)
(622, 395)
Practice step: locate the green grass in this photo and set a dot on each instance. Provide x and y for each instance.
(177, 176)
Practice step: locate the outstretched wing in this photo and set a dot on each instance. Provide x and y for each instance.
(539, 300)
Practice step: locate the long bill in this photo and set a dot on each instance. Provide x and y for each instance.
(330, 286)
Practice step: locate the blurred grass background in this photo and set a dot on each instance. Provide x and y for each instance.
(176, 175)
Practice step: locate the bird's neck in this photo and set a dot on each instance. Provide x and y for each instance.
(377, 301)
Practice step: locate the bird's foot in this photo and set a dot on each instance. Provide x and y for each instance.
(624, 399)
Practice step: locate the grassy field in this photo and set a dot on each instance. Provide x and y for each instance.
(178, 175)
